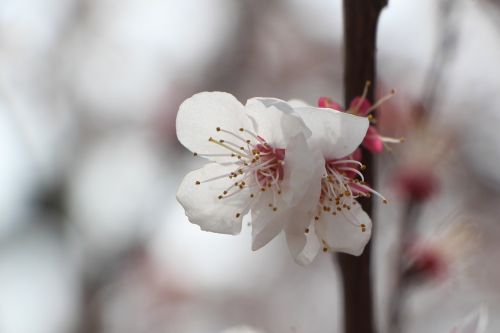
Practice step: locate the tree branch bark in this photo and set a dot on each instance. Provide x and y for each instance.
(360, 27)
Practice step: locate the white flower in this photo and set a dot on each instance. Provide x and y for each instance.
(474, 323)
(260, 163)
(338, 222)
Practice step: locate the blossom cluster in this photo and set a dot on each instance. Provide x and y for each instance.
(288, 165)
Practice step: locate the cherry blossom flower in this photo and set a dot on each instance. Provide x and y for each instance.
(360, 106)
(475, 322)
(425, 262)
(337, 223)
(441, 255)
(260, 163)
(428, 150)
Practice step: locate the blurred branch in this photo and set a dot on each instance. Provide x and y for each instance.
(360, 27)
(445, 50)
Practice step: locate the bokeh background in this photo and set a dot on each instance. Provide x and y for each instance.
(91, 236)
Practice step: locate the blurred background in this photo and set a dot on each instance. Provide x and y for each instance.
(91, 236)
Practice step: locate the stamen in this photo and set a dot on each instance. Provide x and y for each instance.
(353, 170)
(238, 153)
(235, 135)
(382, 101)
(391, 140)
(345, 162)
(362, 98)
(214, 155)
(369, 189)
(232, 174)
(255, 136)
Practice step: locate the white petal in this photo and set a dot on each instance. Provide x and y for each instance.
(203, 206)
(312, 248)
(303, 247)
(275, 121)
(336, 133)
(304, 182)
(342, 232)
(295, 103)
(266, 223)
(303, 169)
(271, 101)
(200, 115)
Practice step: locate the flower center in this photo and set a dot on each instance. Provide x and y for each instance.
(341, 185)
(258, 165)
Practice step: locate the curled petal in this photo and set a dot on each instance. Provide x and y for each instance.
(336, 134)
(372, 141)
(275, 120)
(203, 206)
(199, 117)
(343, 232)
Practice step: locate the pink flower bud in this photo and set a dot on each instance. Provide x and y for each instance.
(417, 184)
(372, 141)
(325, 102)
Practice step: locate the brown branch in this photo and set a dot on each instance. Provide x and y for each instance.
(360, 26)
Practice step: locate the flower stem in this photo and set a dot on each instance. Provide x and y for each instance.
(360, 25)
